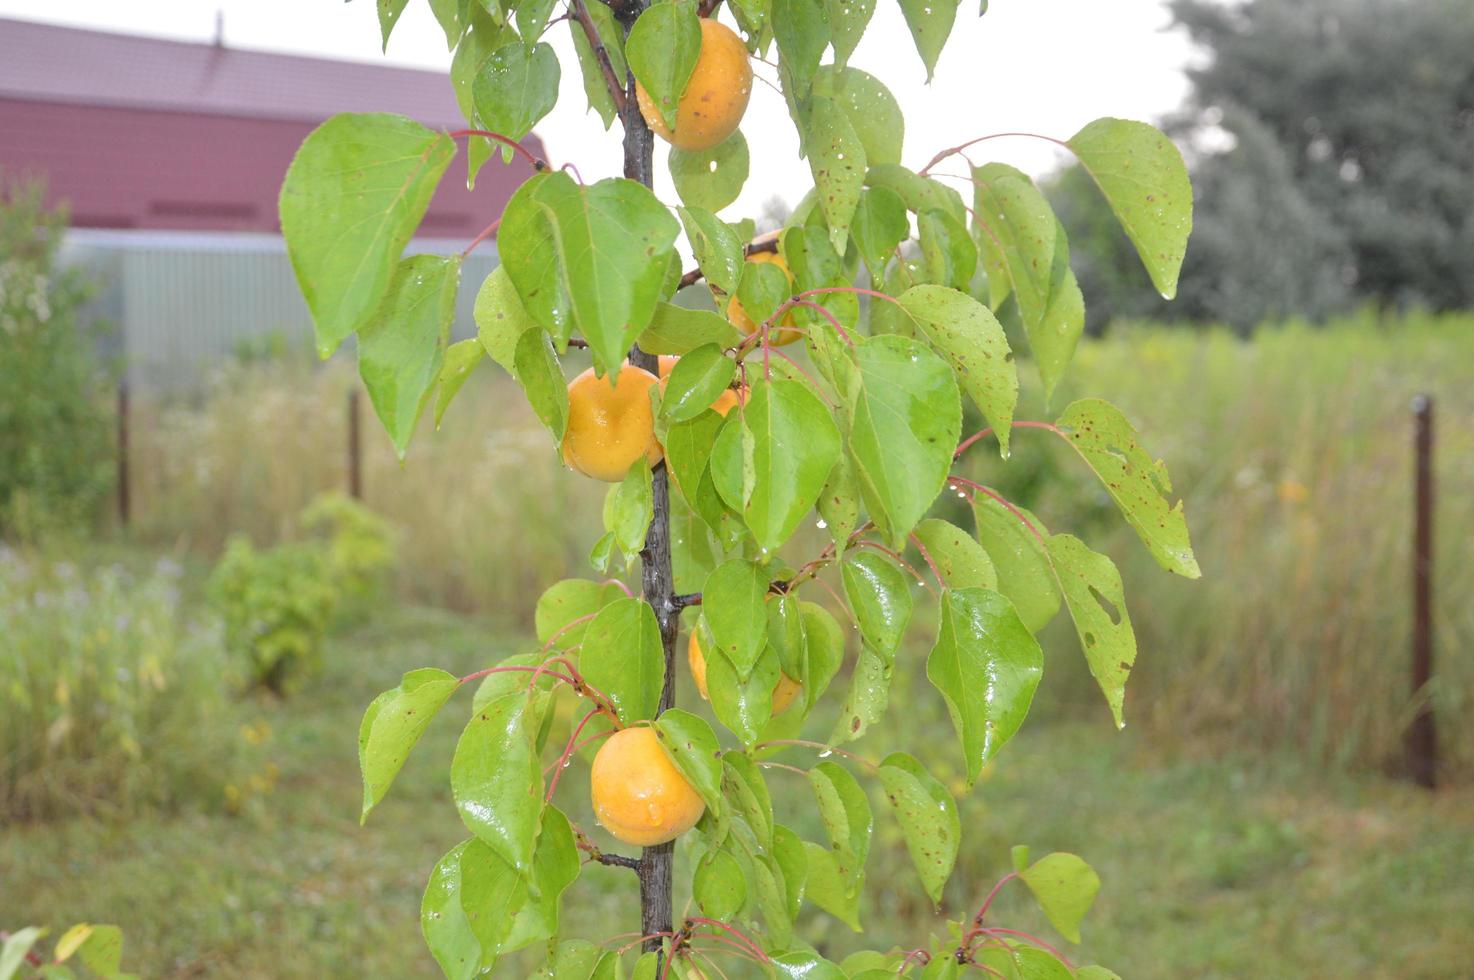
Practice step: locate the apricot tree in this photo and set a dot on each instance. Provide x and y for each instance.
(898, 293)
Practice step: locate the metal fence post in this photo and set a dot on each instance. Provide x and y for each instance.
(124, 503)
(355, 458)
(1422, 742)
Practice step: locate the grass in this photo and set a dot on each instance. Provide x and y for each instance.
(1227, 865)
(1291, 450)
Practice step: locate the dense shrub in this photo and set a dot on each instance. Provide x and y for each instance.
(278, 603)
(55, 432)
(113, 697)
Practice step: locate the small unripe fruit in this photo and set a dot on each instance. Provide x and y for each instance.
(783, 695)
(724, 402)
(610, 426)
(738, 317)
(639, 795)
(716, 95)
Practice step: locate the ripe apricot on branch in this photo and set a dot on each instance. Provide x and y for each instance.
(639, 795)
(783, 695)
(610, 426)
(716, 94)
(723, 403)
(739, 318)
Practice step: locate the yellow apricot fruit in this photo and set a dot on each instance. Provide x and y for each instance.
(716, 94)
(739, 318)
(724, 402)
(610, 426)
(783, 695)
(639, 795)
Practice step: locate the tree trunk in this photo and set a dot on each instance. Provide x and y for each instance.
(658, 585)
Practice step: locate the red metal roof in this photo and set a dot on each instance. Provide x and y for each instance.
(136, 132)
(47, 63)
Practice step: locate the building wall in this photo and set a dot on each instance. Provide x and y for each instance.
(143, 168)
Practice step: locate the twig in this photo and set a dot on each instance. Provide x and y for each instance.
(601, 54)
(538, 163)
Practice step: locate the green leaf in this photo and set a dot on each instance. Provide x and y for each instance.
(695, 382)
(826, 888)
(629, 507)
(16, 946)
(958, 556)
(906, 415)
(515, 88)
(795, 445)
(1019, 856)
(786, 633)
(622, 657)
(662, 50)
(1095, 972)
(823, 651)
(1144, 180)
(460, 359)
(743, 786)
(733, 610)
(839, 502)
(560, 608)
(847, 22)
(711, 178)
(920, 193)
(762, 288)
(806, 966)
(1038, 964)
(99, 947)
(880, 597)
(401, 347)
(869, 694)
(555, 865)
(869, 106)
(1138, 485)
(1025, 574)
(678, 330)
(930, 22)
(743, 704)
(949, 254)
(501, 319)
(973, 342)
(389, 11)
(351, 201)
(1018, 238)
(453, 16)
(845, 812)
(719, 888)
(1053, 340)
(537, 368)
(837, 161)
(802, 34)
(687, 449)
(612, 37)
(467, 909)
(1065, 888)
(793, 862)
(693, 747)
(715, 244)
(594, 257)
(878, 227)
(392, 725)
(928, 818)
(1097, 604)
(532, 19)
(986, 664)
(497, 780)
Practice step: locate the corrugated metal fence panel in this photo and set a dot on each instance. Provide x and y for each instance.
(185, 304)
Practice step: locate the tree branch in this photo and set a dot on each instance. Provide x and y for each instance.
(581, 14)
(763, 243)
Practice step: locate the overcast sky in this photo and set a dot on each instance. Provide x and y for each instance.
(1046, 66)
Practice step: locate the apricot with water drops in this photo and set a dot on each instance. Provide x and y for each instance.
(639, 795)
(716, 95)
(783, 695)
(610, 426)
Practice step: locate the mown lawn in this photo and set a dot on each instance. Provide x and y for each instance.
(1213, 867)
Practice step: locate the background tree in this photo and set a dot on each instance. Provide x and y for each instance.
(1349, 179)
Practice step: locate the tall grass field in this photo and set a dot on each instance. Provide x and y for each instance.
(1292, 452)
